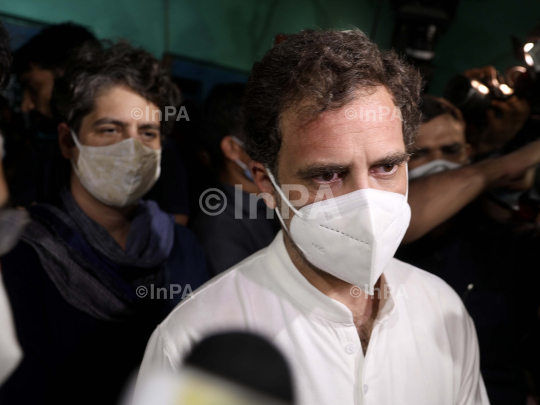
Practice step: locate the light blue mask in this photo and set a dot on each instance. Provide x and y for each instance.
(242, 165)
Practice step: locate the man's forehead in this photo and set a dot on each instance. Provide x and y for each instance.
(374, 114)
(440, 131)
(35, 72)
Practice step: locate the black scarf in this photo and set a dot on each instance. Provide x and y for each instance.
(90, 270)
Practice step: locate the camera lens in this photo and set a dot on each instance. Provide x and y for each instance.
(469, 95)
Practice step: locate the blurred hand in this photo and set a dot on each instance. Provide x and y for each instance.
(505, 118)
(485, 74)
(514, 171)
(521, 182)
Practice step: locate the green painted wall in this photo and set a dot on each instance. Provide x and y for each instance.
(233, 33)
(480, 36)
(141, 21)
(236, 33)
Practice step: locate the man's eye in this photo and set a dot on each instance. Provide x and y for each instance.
(327, 177)
(385, 169)
(150, 134)
(453, 150)
(110, 130)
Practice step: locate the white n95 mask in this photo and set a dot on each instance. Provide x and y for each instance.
(352, 237)
(435, 166)
(118, 174)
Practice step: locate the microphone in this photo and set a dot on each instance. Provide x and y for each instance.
(247, 360)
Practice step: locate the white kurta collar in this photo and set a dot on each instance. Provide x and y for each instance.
(301, 291)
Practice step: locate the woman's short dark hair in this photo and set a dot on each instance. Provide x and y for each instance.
(98, 67)
(321, 71)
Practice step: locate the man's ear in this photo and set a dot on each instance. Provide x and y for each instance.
(231, 150)
(260, 177)
(67, 146)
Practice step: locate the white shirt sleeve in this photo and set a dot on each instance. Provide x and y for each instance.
(472, 390)
(10, 351)
(156, 357)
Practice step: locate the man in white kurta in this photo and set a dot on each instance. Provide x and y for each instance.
(423, 348)
(357, 326)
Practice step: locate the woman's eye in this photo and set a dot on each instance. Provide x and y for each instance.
(111, 130)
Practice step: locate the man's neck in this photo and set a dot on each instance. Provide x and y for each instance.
(115, 220)
(364, 307)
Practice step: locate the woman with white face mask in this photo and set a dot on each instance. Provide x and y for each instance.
(95, 274)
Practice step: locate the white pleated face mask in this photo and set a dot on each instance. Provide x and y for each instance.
(353, 236)
(118, 174)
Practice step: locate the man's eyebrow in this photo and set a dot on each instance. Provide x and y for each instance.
(318, 169)
(392, 159)
(108, 120)
(149, 126)
(452, 145)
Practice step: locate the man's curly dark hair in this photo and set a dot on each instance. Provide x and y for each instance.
(98, 67)
(5, 56)
(321, 71)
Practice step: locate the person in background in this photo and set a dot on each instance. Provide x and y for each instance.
(440, 144)
(357, 325)
(238, 231)
(37, 64)
(442, 180)
(187, 136)
(92, 276)
(171, 189)
(10, 351)
(473, 250)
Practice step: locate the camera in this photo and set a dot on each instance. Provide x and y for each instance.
(474, 96)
